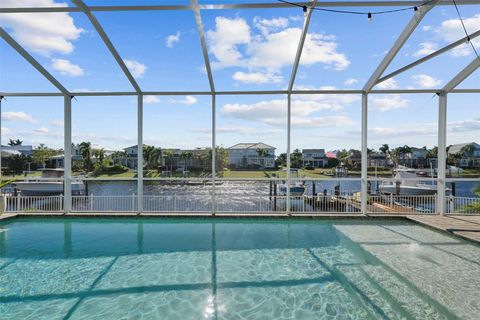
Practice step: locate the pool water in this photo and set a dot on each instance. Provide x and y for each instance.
(234, 269)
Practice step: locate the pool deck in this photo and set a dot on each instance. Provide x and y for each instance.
(464, 226)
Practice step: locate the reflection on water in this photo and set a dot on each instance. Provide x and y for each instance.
(235, 269)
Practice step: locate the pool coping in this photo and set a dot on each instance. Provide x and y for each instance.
(472, 234)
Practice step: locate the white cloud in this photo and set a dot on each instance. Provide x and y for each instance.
(269, 25)
(425, 49)
(57, 123)
(151, 99)
(172, 39)
(426, 81)
(316, 122)
(65, 67)
(256, 77)
(427, 28)
(6, 131)
(225, 39)
(304, 107)
(388, 102)
(136, 68)
(451, 30)
(464, 125)
(422, 130)
(17, 116)
(277, 50)
(234, 44)
(188, 100)
(336, 101)
(44, 33)
(390, 83)
(41, 130)
(242, 130)
(350, 82)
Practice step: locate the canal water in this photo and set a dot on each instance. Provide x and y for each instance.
(240, 188)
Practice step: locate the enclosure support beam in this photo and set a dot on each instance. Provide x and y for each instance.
(204, 93)
(442, 152)
(301, 44)
(140, 153)
(108, 43)
(67, 154)
(214, 153)
(428, 57)
(15, 45)
(462, 75)
(289, 133)
(201, 33)
(296, 62)
(364, 162)
(175, 7)
(409, 28)
(1, 98)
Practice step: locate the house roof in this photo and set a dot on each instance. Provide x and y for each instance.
(258, 145)
(331, 154)
(455, 148)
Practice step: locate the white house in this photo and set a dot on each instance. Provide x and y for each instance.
(243, 155)
(315, 158)
(471, 160)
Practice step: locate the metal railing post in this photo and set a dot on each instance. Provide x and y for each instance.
(364, 161)
(289, 132)
(67, 158)
(139, 154)
(214, 154)
(442, 152)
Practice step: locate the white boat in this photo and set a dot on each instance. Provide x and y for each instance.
(404, 187)
(297, 188)
(53, 186)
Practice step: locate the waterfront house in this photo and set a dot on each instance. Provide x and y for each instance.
(254, 155)
(186, 159)
(415, 158)
(377, 159)
(468, 154)
(315, 158)
(129, 158)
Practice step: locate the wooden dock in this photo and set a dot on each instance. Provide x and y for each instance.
(465, 226)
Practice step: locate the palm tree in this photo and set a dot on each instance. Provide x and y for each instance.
(385, 149)
(186, 155)
(16, 142)
(468, 150)
(99, 154)
(262, 153)
(86, 152)
(169, 156)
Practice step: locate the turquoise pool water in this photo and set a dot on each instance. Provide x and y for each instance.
(234, 269)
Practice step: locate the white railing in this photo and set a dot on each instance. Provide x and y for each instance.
(402, 204)
(177, 203)
(33, 203)
(342, 203)
(104, 203)
(462, 204)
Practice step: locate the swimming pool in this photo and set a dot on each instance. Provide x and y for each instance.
(76, 268)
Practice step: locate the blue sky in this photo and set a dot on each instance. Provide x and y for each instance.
(249, 50)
